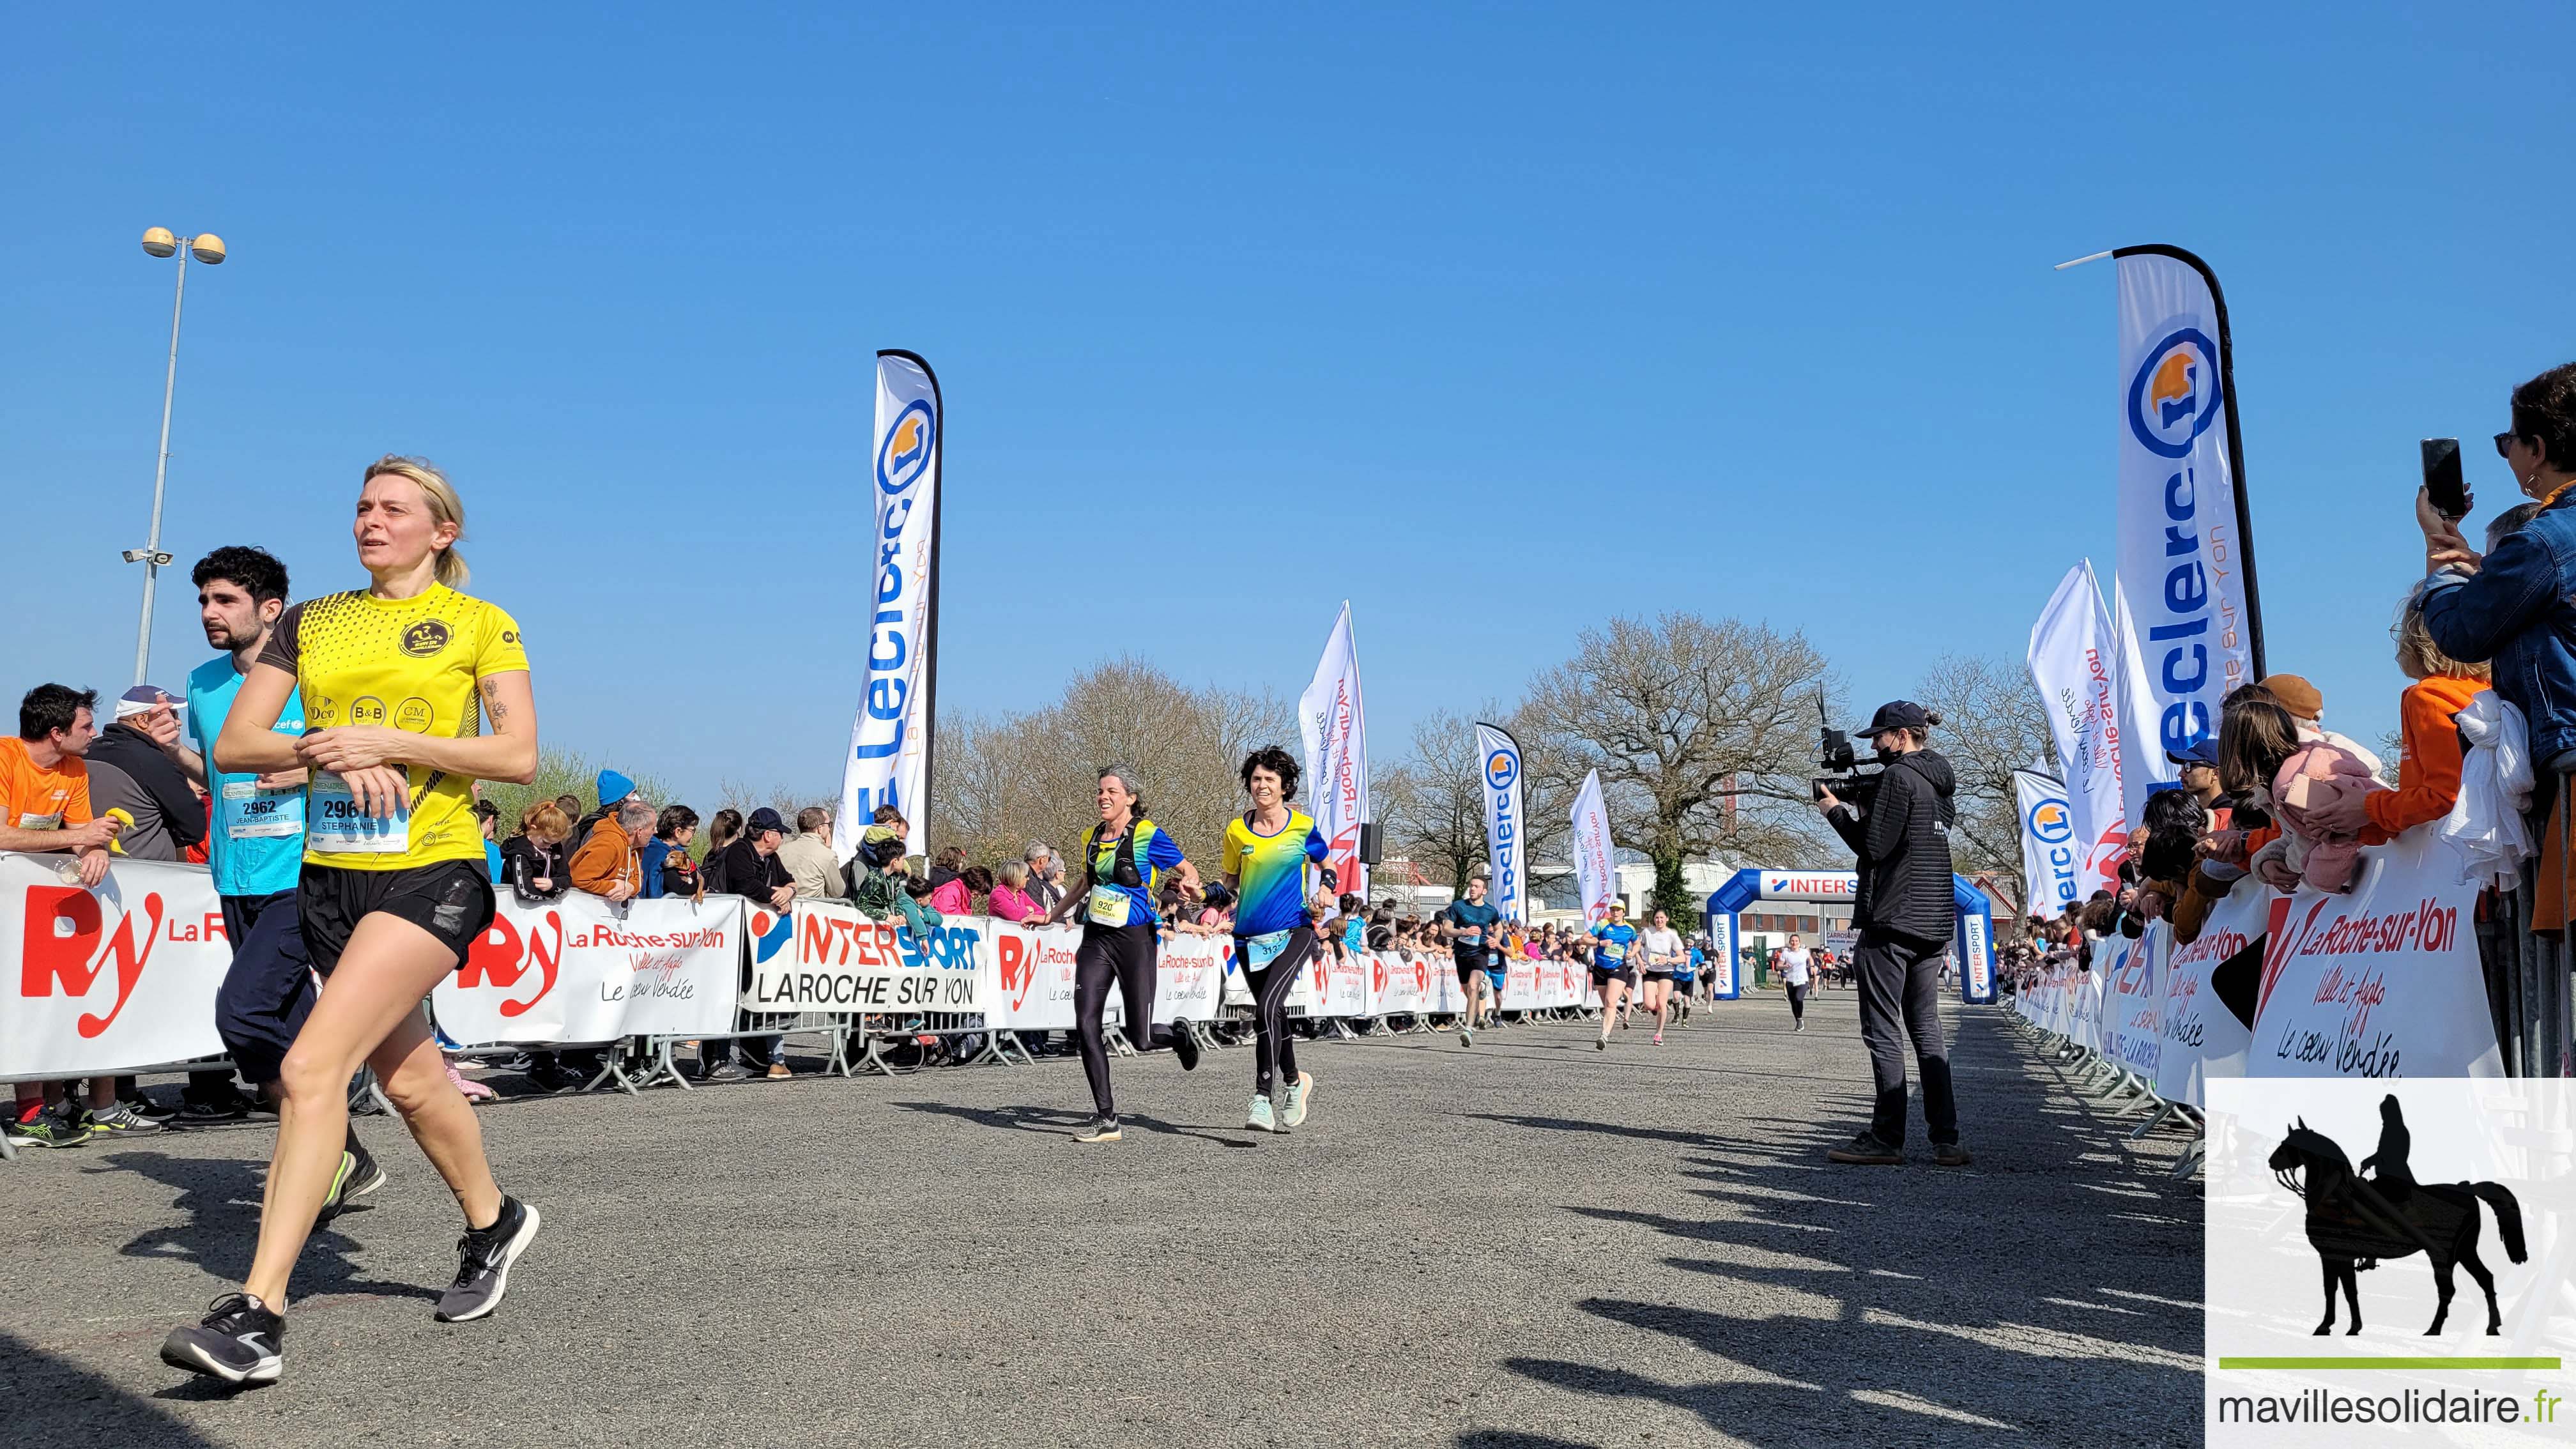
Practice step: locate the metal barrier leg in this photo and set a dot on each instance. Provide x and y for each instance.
(2166, 1114)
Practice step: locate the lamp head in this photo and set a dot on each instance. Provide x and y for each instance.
(158, 241)
(207, 247)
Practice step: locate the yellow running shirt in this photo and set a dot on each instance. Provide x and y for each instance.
(410, 664)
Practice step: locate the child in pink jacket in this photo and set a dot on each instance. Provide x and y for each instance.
(2316, 778)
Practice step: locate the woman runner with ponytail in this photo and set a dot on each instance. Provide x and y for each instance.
(1124, 858)
(1268, 852)
(399, 682)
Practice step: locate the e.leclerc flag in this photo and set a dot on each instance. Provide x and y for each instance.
(2049, 868)
(1498, 758)
(2074, 662)
(889, 758)
(1335, 728)
(2186, 559)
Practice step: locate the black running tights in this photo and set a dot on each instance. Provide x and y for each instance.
(1126, 954)
(1273, 1053)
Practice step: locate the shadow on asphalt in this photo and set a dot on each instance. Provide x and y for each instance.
(1056, 1122)
(221, 1197)
(1896, 1281)
(108, 1414)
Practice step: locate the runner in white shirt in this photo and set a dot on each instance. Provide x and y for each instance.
(1795, 972)
(1664, 954)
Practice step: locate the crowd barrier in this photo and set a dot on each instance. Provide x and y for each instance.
(121, 979)
(2385, 981)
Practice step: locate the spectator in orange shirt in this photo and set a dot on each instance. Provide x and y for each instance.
(608, 864)
(44, 809)
(2428, 770)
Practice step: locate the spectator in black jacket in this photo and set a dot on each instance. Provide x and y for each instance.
(1905, 913)
(131, 769)
(749, 867)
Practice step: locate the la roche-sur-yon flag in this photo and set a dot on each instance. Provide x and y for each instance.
(2074, 663)
(1498, 760)
(2049, 869)
(1593, 873)
(2186, 549)
(889, 758)
(1336, 739)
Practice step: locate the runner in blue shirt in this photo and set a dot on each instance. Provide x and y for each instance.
(1470, 926)
(1685, 983)
(256, 853)
(1611, 974)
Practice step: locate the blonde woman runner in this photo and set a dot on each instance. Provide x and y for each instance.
(399, 681)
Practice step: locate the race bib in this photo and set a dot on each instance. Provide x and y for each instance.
(335, 824)
(253, 811)
(1108, 906)
(1260, 951)
(41, 822)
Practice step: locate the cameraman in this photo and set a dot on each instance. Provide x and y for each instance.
(1905, 913)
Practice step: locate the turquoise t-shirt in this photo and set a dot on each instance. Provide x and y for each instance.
(256, 846)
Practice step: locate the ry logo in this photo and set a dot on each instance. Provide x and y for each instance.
(66, 940)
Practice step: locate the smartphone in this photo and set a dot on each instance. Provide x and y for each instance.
(2442, 481)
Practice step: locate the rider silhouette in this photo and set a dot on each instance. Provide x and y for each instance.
(2395, 1180)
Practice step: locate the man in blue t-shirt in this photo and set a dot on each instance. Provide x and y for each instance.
(255, 850)
(1469, 926)
(1611, 975)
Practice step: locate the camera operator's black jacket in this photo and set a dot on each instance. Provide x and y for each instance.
(1904, 849)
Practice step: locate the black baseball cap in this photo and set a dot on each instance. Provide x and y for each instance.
(765, 818)
(1896, 714)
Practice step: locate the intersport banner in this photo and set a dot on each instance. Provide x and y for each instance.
(2185, 563)
(1593, 874)
(113, 977)
(1499, 758)
(889, 758)
(2074, 662)
(579, 969)
(2382, 982)
(2050, 872)
(1336, 738)
(824, 956)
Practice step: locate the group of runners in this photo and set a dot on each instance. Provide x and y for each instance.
(340, 741)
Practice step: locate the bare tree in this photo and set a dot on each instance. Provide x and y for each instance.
(1009, 779)
(1993, 722)
(1702, 733)
(1433, 803)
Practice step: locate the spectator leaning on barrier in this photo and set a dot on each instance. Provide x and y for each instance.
(534, 858)
(44, 792)
(2429, 758)
(131, 771)
(668, 870)
(812, 866)
(2514, 608)
(612, 789)
(1011, 900)
(1046, 875)
(749, 867)
(609, 864)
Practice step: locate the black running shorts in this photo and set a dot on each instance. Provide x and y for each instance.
(450, 899)
(1471, 965)
(1601, 979)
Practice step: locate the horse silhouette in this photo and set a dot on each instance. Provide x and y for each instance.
(2354, 1226)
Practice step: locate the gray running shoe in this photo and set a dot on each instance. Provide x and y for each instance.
(483, 1259)
(240, 1342)
(57, 1126)
(1102, 1129)
(1466, 1036)
(121, 1121)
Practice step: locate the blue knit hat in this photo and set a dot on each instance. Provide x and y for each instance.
(613, 787)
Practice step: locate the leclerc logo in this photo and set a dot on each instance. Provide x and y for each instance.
(2175, 396)
(1500, 770)
(906, 449)
(2050, 823)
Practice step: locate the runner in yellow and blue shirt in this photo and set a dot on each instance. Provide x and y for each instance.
(1611, 974)
(1272, 853)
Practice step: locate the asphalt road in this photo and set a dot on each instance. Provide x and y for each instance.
(1526, 1244)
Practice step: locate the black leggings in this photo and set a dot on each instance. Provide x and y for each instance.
(1797, 1003)
(1128, 954)
(1271, 1044)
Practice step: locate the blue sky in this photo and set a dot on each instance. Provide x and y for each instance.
(1497, 322)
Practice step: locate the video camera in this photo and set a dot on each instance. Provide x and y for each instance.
(1845, 776)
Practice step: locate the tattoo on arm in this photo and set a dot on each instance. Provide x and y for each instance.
(492, 701)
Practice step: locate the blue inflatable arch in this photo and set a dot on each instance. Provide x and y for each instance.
(1973, 945)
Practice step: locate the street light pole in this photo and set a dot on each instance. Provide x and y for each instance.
(209, 249)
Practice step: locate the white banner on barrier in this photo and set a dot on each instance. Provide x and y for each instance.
(2202, 1038)
(578, 969)
(831, 958)
(1189, 979)
(1032, 986)
(1399, 982)
(1520, 986)
(120, 976)
(2383, 982)
(2133, 999)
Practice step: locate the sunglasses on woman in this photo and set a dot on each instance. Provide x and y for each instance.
(2505, 440)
